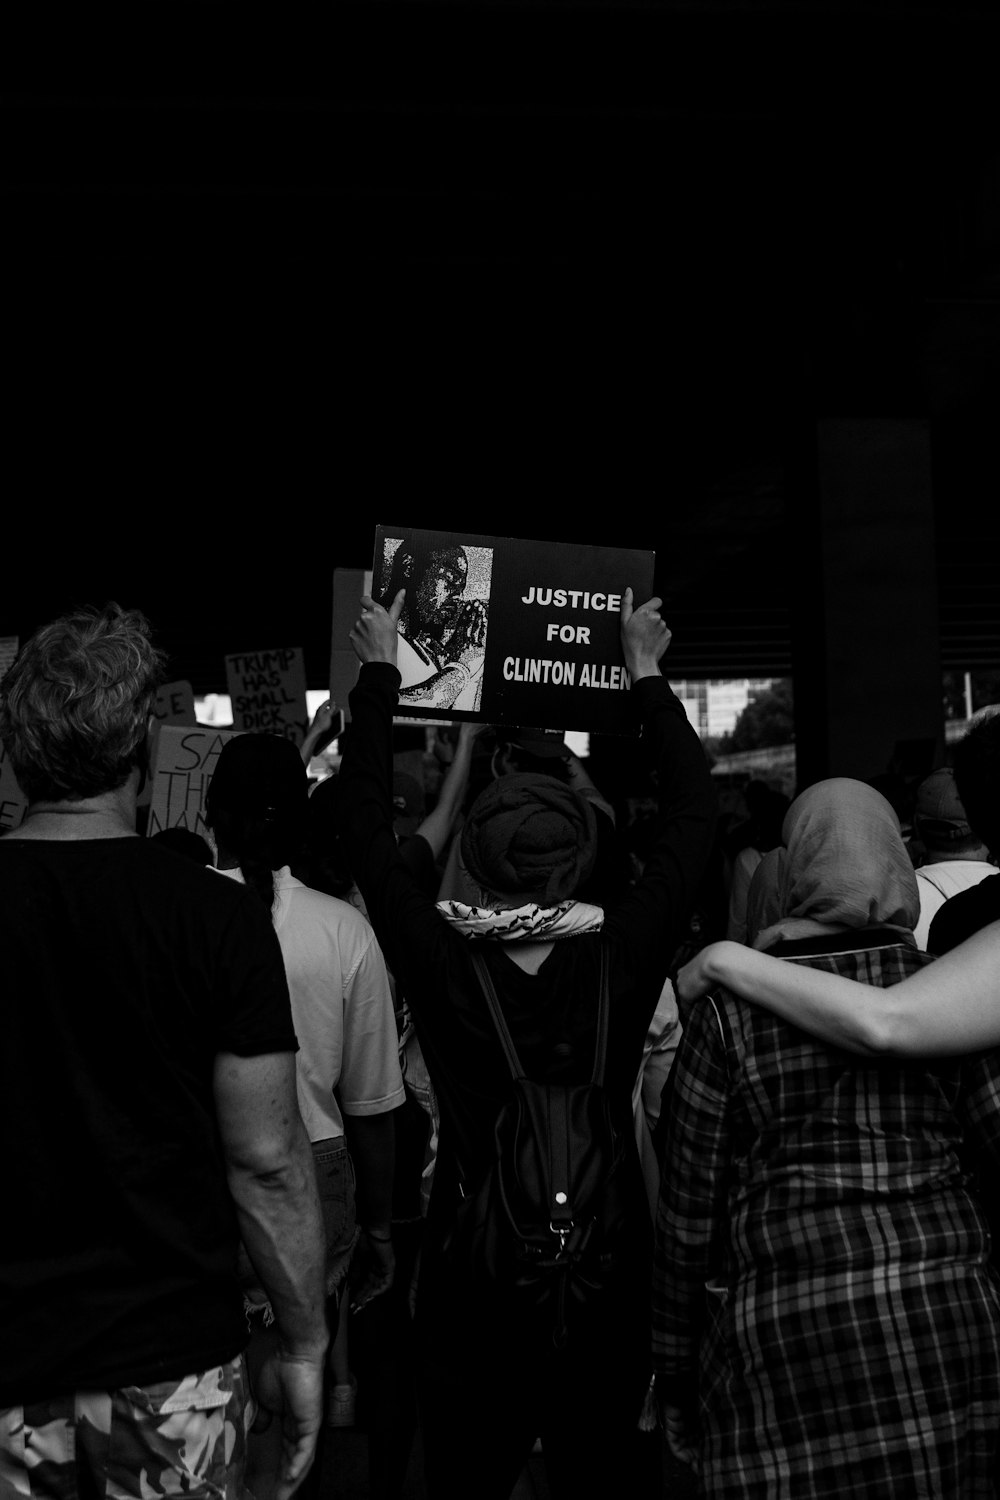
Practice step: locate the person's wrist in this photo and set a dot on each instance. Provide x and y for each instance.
(381, 1233)
(644, 667)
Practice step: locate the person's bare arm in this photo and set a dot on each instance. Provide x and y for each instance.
(951, 1006)
(439, 823)
(272, 1181)
(371, 1140)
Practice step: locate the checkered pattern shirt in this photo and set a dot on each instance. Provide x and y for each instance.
(823, 1280)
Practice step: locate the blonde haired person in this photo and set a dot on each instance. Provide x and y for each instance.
(147, 1077)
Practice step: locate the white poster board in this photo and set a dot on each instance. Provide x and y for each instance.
(348, 586)
(9, 647)
(268, 692)
(175, 703)
(13, 802)
(185, 760)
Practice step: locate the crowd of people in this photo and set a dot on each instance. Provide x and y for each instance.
(250, 1084)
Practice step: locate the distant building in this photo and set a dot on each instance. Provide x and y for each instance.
(713, 706)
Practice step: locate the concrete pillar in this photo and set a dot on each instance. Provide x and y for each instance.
(866, 654)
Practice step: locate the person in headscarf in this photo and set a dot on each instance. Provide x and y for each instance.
(491, 1379)
(825, 1318)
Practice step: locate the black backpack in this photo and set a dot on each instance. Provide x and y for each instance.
(555, 1218)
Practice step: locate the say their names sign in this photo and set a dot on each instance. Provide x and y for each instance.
(531, 630)
(268, 692)
(186, 757)
(174, 704)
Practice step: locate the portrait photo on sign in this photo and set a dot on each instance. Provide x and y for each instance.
(443, 624)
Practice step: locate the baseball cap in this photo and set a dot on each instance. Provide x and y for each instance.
(540, 742)
(260, 774)
(938, 809)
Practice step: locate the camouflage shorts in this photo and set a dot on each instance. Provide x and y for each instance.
(176, 1437)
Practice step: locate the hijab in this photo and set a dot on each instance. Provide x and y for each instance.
(842, 866)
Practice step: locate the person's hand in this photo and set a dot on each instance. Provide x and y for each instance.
(326, 723)
(377, 1260)
(322, 718)
(681, 1432)
(290, 1387)
(374, 636)
(645, 637)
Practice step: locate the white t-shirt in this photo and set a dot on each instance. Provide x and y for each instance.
(938, 883)
(341, 1007)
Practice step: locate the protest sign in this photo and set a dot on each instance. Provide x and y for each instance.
(9, 647)
(175, 704)
(348, 586)
(13, 802)
(185, 760)
(268, 692)
(508, 631)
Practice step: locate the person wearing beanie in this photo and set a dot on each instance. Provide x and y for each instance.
(488, 1387)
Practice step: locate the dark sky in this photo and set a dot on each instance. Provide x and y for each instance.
(584, 271)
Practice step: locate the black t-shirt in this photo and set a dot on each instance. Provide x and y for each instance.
(963, 914)
(126, 969)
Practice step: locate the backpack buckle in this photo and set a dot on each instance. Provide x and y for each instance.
(563, 1231)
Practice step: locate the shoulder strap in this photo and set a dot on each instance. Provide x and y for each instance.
(506, 1040)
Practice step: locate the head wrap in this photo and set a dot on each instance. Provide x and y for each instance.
(844, 863)
(531, 838)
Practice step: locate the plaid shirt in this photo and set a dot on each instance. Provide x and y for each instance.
(822, 1271)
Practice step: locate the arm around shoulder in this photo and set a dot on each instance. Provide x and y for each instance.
(945, 1009)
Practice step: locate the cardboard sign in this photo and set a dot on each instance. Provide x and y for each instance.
(175, 703)
(13, 802)
(511, 632)
(185, 760)
(348, 586)
(9, 647)
(268, 692)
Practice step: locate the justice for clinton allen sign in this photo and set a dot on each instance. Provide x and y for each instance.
(505, 631)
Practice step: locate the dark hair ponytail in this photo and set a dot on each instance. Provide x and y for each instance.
(261, 844)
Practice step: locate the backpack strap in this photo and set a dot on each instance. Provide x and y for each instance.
(506, 1040)
(489, 990)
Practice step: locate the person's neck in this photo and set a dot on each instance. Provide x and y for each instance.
(112, 815)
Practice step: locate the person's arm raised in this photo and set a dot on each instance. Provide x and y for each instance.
(949, 1007)
(439, 824)
(273, 1184)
